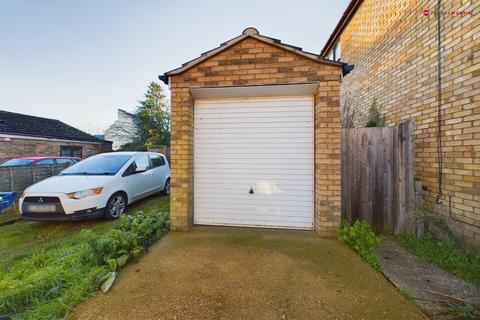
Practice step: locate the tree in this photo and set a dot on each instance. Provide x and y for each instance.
(375, 117)
(151, 120)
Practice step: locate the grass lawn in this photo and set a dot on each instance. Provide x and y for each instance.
(46, 269)
(23, 238)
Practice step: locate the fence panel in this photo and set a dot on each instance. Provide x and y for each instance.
(18, 178)
(378, 176)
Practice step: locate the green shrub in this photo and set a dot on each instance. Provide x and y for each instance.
(445, 254)
(361, 238)
(50, 282)
(375, 117)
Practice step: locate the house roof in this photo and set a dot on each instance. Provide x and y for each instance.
(341, 25)
(248, 33)
(25, 125)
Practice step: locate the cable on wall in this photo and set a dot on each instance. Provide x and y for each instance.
(439, 105)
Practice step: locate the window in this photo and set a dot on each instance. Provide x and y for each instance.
(157, 160)
(65, 161)
(69, 151)
(45, 162)
(142, 163)
(336, 52)
(17, 162)
(98, 165)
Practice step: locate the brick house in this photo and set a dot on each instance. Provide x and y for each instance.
(421, 63)
(25, 135)
(256, 137)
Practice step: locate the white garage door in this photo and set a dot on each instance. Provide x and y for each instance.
(254, 162)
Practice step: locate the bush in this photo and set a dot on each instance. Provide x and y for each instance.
(445, 254)
(375, 117)
(361, 238)
(50, 282)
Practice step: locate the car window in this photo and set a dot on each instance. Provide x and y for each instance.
(142, 163)
(45, 162)
(64, 161)
(98, 165)
(17, 162)
(157, 160)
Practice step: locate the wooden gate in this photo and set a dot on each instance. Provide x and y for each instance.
(378, 176)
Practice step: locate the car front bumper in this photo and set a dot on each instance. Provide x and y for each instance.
(60, 208)
(76, 216)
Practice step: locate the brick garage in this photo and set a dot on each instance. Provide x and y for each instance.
(247, 66)
(25, 135)
(393, 46)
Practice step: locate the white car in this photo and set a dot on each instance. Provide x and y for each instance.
(99, 186)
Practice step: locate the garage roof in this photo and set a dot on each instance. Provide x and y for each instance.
(247, 33)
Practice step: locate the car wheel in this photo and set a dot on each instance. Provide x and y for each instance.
(115, 206)
(166, 189)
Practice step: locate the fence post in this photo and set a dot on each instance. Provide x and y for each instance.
(10, 175)
(33, 174)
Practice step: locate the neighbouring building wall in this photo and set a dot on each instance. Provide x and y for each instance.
(394, 49)
(18, 147)
(252, 62)
(122, 130)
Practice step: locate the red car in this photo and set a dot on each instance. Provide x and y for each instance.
(31, 161)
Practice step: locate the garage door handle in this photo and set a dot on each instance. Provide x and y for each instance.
(251, 191)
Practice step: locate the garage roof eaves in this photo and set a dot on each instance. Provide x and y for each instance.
(252, 33)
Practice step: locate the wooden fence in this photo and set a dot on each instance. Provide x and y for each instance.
(18, 178)
(378, 177)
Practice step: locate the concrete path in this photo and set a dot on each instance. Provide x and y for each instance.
(240, 273)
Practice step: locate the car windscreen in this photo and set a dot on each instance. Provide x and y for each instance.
(98, 165)
(17, 162)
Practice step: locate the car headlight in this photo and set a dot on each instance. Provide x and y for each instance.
(84, 193)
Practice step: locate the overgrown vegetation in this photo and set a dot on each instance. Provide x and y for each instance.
(50, 281)
(463, 311)
(361, 238)
(446, 254)
(375, 117)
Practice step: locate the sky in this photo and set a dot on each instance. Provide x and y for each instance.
(79, 61)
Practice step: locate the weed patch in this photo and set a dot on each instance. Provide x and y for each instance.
(463, 311)
(445, 254)
(361, 238)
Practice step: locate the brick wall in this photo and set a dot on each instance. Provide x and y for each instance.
(24, 147)
(253, 62)
(394, 49)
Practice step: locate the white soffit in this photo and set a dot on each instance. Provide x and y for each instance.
(283, 90)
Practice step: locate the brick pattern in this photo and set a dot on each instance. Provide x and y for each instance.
(23, 147)
(253, 62)
(394, 49)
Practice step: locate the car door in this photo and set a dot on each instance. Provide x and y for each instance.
(139, 178)
(159, 169)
